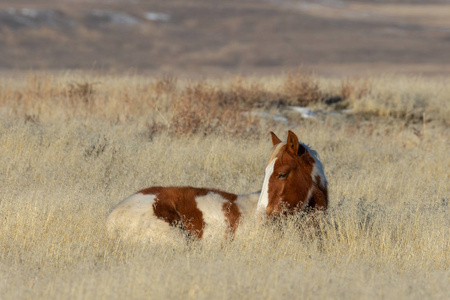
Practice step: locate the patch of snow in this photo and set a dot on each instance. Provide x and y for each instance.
(304, 111)
(32, 13)
(334, 114)
(156, 16)
(114, 17)
(266, 115)
(34, 18)
(13, 19)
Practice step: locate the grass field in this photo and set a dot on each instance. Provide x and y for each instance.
(72, 145)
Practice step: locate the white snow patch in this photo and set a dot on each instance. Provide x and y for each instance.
(266, 115)
(156, 16)
(115, 17)
(34, 18)
(32, 13)
(304, 111)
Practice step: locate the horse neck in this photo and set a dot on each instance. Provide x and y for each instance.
(247, 202)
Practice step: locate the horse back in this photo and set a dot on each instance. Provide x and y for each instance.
(198, 211)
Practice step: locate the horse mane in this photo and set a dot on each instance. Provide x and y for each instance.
(317, 162)
(312, 152)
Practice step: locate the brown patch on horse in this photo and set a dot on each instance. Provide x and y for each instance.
(232, 215)
(320, 196)
(178, 207)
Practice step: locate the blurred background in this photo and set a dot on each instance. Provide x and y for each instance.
(215, 37)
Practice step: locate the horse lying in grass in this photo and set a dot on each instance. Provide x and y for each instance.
(294, 182)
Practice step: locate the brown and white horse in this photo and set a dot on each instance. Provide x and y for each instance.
(158, 213)
(294, 180)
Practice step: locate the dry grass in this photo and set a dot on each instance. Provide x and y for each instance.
(301, 89)
(407, 99)
(73, 145)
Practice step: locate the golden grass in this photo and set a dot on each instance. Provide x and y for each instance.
(74, 145)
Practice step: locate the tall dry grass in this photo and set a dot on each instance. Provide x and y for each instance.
(75, 144)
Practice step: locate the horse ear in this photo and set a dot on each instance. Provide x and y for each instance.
(275, 139)
(292, 142)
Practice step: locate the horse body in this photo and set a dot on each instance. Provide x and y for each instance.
(294, 180)
(199, 212)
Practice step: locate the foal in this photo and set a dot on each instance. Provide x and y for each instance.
(158, 213)
(294, 181)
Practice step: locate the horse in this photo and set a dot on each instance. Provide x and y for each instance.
(294, 180)
(158, 213)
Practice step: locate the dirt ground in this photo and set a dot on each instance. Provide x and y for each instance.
(215, 38)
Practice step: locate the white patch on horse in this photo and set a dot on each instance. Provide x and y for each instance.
(247, 203)
(264, 197)
(211, 207)
(317, 168)
(308, 198)
(134, 219)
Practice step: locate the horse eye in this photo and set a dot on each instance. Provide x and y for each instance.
(282, 175)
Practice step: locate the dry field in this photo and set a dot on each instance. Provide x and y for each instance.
(72, 145)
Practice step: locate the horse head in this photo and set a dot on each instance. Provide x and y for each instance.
(294, 180)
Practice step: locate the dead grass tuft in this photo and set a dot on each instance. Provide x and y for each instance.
(301, 89)
(250, 95)
(83, 91)
(164, 85)
(204, 109)
(355, 88)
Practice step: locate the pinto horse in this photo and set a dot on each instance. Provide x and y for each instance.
(157, 213)
(294, 180)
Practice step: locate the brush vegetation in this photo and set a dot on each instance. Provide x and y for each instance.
(72, 145)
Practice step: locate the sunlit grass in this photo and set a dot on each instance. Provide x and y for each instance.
(68, 156)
